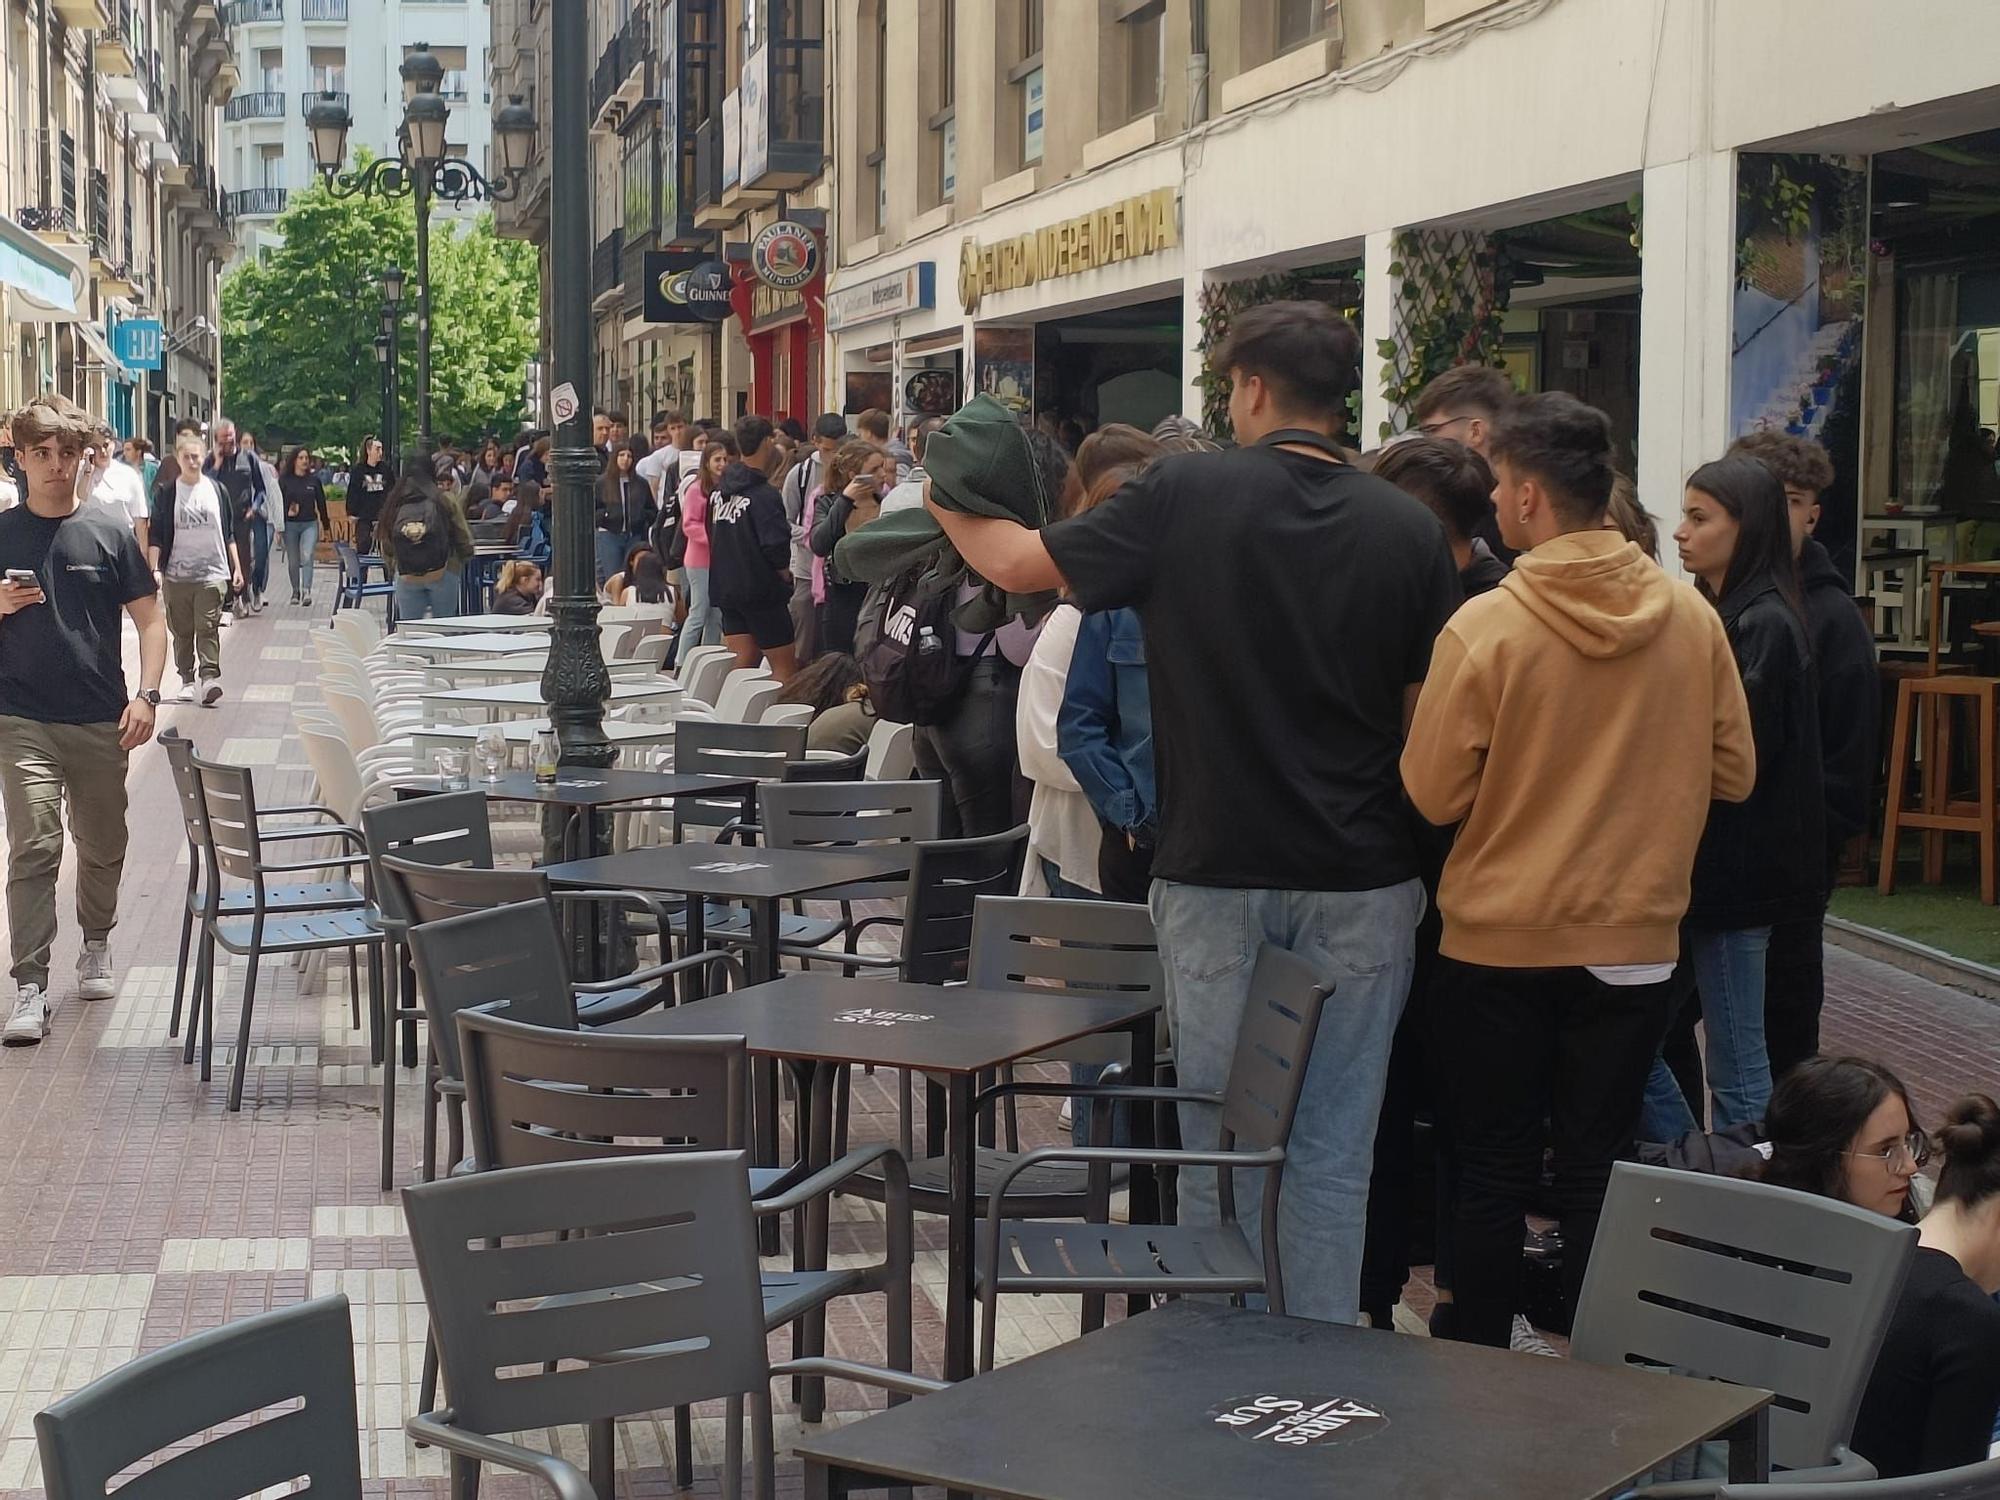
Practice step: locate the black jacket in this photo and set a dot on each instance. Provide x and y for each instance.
(1764, 860)
(1849, 697)
(749, 541)
(625, 505)
(368, 485)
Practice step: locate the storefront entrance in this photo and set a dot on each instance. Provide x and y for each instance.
(1122, 364)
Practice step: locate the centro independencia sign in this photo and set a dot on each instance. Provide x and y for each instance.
(1119, 231)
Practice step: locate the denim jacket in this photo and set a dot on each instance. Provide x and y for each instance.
(1105, 729)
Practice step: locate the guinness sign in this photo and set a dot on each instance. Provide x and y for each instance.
(685, 288)
(1119, 231)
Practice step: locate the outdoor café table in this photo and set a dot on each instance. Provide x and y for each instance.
(467, 647)
(426, 738)
(760, 879)
(820, 1022)
(1196, 1401)
(513, 697)
(482, 625)
(481, 572)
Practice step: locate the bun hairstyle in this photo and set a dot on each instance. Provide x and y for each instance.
(1970, 1144)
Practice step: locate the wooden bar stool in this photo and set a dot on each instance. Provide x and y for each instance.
(1924, 714)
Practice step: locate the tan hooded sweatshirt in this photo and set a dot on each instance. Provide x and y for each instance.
(1579, 719)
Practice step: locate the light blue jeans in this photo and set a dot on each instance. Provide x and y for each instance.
(1361, 942)
(611, 549)
(301, 538)
(704, 621)
(438, 599)
(1729, 969)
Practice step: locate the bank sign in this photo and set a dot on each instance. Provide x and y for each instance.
(1117, 232)
(909, 290)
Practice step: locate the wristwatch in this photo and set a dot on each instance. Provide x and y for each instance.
(149, 695)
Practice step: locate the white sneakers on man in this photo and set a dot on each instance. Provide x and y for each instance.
(30, 1021)
(95, 978)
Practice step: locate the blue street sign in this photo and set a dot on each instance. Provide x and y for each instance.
(139, 343)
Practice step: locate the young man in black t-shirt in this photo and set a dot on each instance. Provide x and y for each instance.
(1289, 602)
(66, 722)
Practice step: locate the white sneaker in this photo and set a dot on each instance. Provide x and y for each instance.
(95, 978)
(30, 1020)
(212, 694)
(186, 694)
(1526, 1341)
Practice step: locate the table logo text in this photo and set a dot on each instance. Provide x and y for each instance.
(729, 867)
(1298, 1421)
(869, 1016)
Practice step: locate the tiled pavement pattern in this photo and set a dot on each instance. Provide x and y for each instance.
(134, 1209)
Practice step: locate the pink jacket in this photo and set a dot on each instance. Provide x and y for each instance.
(694, 521)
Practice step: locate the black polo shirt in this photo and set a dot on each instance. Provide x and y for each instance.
(59, 660)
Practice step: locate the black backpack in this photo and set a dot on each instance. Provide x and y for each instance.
(423, 536)
(907, 646)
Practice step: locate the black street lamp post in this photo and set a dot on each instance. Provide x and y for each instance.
(388, 345)
(575, 683)
(422, 171)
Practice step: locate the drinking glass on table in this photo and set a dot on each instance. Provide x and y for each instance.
(451, 771)
(490, 747)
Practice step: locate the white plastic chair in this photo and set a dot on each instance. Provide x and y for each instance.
(746, 695)
(702, 676)
(892, 754)
(788, 713)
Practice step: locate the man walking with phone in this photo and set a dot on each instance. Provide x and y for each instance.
(67, 570)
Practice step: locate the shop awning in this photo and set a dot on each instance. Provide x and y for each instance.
(100, 349)
(42, 276)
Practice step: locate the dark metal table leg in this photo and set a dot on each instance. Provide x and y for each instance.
(816, 1083)
(1750, 1448)
(959, 1126)
(763, 968)
(1143, 1188)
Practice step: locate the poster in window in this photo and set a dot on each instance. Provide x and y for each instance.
(732, 139)
(670, 119)
(754, 99)
(865, 390)
(1003, 367)
(1031, 117)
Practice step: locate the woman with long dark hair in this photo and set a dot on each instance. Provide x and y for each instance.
(642, 579)
(1760, 861)
(858, 475)
(492, 463)
(1833, 1128)
(424, 540)
(625, 508)
(368, 484)
(305, 513)
(704, 620)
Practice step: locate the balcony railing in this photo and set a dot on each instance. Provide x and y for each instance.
(267, 105)
(708, 163)
(253, 203)
(324, 10)
(48, 219)
(604, 265)
(100, 214)
(626, 50)
(243, 12)
(322, 96)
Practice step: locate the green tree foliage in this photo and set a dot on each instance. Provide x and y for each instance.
(299, 325)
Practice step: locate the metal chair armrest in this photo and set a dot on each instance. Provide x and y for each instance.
(846, 1369)
(562, 1477)
(331, 861)
(328, 831)
(881, 919)
(1114, 1156)
(650, 903)
(727, 961)
(829, 1177)
(1821, 1482)
(297, 807)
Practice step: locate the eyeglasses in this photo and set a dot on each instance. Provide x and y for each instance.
(1908, 1154)
(1432, 429)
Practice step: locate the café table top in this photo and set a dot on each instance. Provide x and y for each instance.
(733, 872)
(520, 731)
(477, 643)
(529, 694)
(828, 1018)
(481, 624)
(602, 787)
(1187, 1403)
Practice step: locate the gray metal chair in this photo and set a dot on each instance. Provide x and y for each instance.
(666, 1308)
(1979, 1481)
(306, 896)
(829, 767)
(451, 828)
(1757, 1285)
(536, 1096)
(712, 747)
(236, 837)
(842, 814)
(1273, 1047)
(179, 1394)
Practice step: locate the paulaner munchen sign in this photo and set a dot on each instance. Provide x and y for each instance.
(1119, 231)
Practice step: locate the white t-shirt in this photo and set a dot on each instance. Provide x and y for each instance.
(123, 486)
(200, 548)
(656, 468)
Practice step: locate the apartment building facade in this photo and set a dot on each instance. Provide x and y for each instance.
(291, 51)
(708, 159)
(113, 221)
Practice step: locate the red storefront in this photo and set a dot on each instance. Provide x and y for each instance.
(785, 325)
